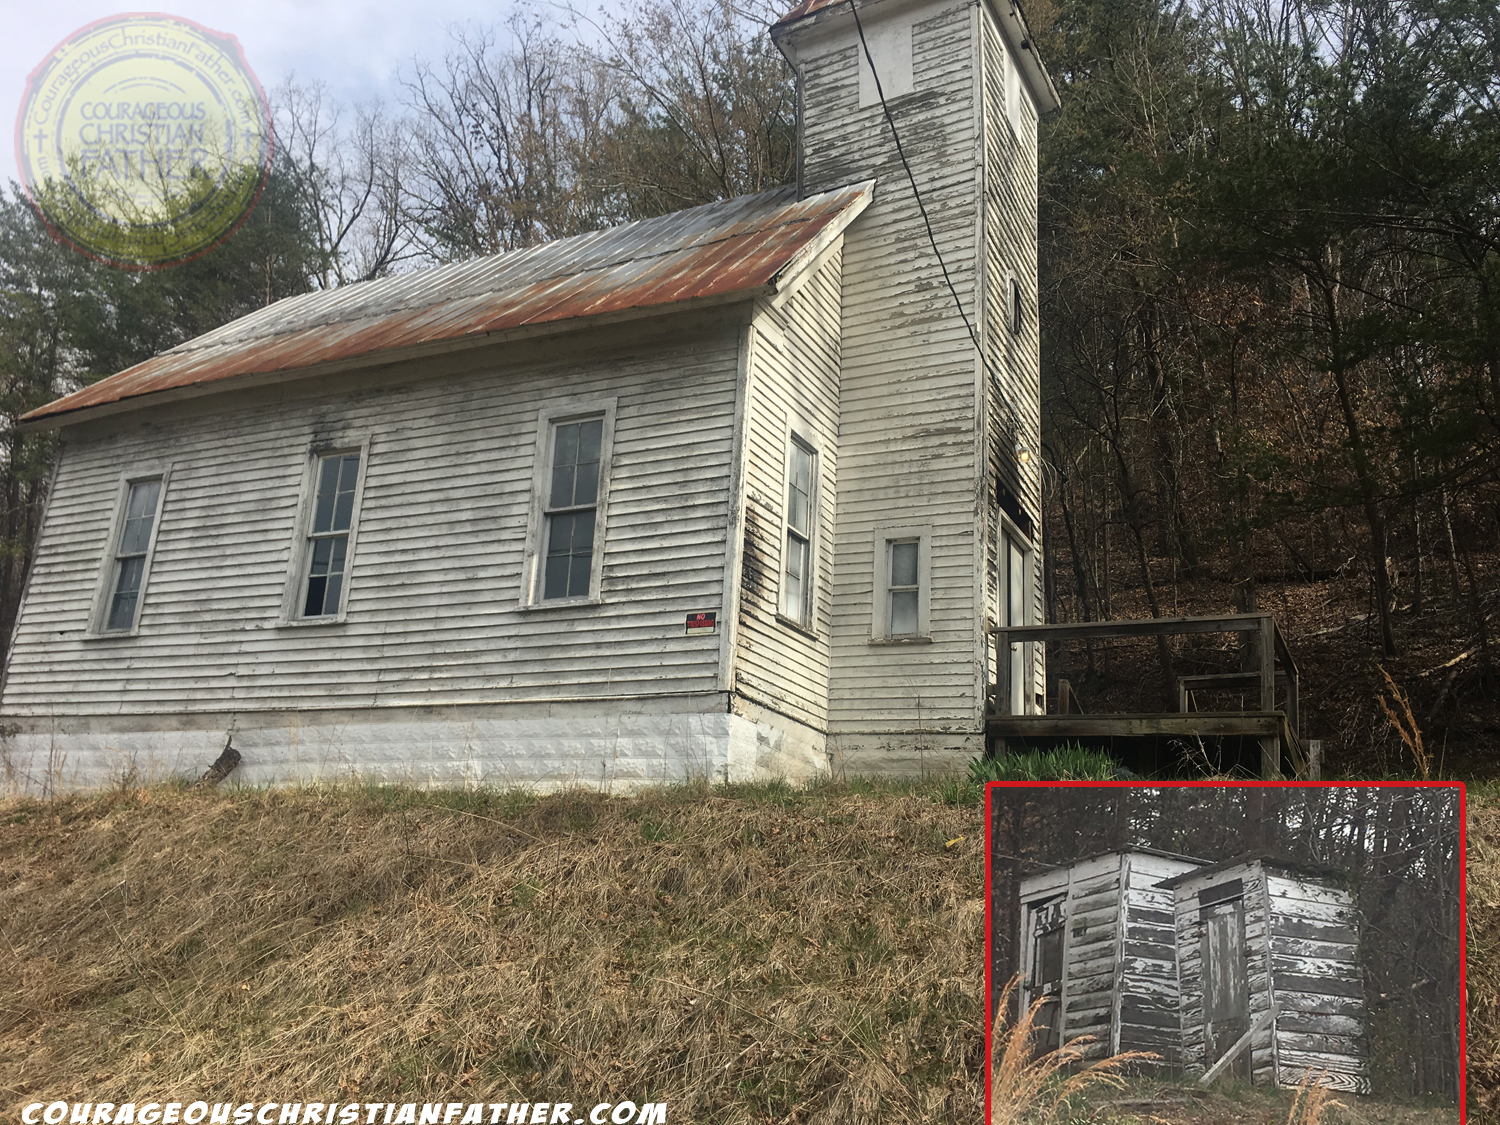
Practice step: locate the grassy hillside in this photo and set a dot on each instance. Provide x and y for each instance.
(752, 955)
(742, 956)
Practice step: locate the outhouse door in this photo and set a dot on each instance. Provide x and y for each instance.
(1226, 995)
(1044, 982)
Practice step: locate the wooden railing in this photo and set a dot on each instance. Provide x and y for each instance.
(1273, 666)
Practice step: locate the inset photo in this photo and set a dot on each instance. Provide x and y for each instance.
(1196, 953)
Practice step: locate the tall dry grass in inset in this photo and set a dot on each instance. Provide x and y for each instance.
(1311, 1102)
(1025, 1088)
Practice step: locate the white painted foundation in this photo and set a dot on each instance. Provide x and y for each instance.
(617, 747)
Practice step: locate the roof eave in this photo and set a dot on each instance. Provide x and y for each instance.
(57, 419)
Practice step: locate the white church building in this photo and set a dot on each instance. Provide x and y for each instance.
(733, 493)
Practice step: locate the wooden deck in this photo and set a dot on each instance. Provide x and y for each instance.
(1276, 729)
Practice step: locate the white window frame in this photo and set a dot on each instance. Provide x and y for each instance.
(295, 596)
(799, 433)
(1027, 653)
(104, 588)
(549, 417)
(880, 624)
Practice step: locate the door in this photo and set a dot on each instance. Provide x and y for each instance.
(1226, 995)
(1013, 605)
(1044, 982)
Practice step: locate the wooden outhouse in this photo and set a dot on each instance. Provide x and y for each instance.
(736, 492)
(1097, 948)
(1268, 959)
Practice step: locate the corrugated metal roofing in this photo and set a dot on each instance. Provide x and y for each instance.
(720, 251)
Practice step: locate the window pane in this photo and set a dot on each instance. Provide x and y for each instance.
(578, 584)
(556, 584)
(140, 514)
(322, 555)
(903, 613)
(562, 486)
(903, 564)
(343, 511)
(798, 557)
(143, 499)
(799, 491)
(587, 488)
(570, 549)
(583, 532)
(575, 463)
(323, 513)
(127, 592)
(331, 596)
(348, 472)
(565, 448)
(122, 611)
(316, 586)
(589, 435)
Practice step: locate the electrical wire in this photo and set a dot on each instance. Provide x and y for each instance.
(891, 121)
(922, 207)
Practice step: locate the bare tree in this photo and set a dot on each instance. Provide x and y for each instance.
(347, 169)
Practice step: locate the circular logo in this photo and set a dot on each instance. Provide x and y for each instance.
(144, 140)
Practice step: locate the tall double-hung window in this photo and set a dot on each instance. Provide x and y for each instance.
(572, 508)
(317, 591)
(129, 563)
(328, 535)
(798, 556)
(566, 537)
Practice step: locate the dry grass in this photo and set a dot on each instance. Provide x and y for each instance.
(1311, 1104)
(1484, 953)
(1027, 1089)
(760, 956)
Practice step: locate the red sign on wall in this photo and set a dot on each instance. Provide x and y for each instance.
(702, 623)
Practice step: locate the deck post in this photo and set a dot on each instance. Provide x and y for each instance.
(1270, 747)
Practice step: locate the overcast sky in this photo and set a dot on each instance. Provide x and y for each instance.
(355, 46)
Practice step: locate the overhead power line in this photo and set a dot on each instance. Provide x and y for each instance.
(916, 192)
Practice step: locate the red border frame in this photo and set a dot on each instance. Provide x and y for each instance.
(1463, 888)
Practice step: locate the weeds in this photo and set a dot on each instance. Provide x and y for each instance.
(1398, 710)
(1311, 1102)
(1068, 762)
(1029, 1090)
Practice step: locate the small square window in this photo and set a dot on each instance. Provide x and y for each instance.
(131, 559)
(902, 587)
(904, 592)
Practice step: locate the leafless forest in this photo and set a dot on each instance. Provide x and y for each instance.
(1270, 245)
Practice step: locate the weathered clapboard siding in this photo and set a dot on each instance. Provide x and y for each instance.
(435, 580)
(907, 416)
(1147, 998)
(1012, 382)
(1302, 962)
(793, 378)
(1119, 986)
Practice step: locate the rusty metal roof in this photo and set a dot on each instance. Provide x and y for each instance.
(718, 252)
